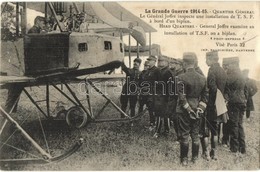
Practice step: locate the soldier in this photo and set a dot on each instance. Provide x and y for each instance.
(225, 129)
(172, 101)
(216, 80)
(162, 97)
(130, 88)
(236, 92)
(192, 92)
(15, 91)
(39, 25)
(152, 76)
(252, 89)
(144, 92)
(178, 70)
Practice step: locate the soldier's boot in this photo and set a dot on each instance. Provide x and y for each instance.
(219, 130)
(158, 127)
(214, 142)
(184, 147)
(204, 144)
(166, 126)
(195, 151)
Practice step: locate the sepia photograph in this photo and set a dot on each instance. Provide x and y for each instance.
(129, 85)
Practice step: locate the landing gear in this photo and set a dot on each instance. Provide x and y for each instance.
(76, 117)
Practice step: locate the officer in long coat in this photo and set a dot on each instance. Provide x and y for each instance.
(192, 92)
(175, 68)
(237, 94)
(130, 88)
(162, 97)
(152, 76)
(252, 89)
(216, 80)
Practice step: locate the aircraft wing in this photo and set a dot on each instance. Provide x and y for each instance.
(137, 32)
(70, 74)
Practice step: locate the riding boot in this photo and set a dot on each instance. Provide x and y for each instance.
(166, 126)
(184, 153)
(158, 127)
(204, 145)
(214, 142)
(195, 151)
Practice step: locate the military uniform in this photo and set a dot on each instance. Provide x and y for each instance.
(252, 89)
(153, 75)
(130, 89)
(216, 80)
(225, 129)
(172, 104)
(162, 100)
(192, 92)
(236, 92)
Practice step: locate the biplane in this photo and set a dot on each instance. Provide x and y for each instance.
(57, 59)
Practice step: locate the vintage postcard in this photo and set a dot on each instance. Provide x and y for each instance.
(129, 85)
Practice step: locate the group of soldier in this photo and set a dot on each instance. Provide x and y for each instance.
(177, 94)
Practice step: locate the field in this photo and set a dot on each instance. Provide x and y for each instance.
(109, 146)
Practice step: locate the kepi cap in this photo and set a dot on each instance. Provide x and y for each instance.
(163, 58)
(212, 55)
(189, 57)
(146, 63)
(152, 58)
(230, 60)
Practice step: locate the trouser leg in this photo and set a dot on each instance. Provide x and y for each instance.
(214, 139)
(225, 138)
(248, 114)
(234, 134)
(167, 125)
(151, 111)
(13, 96)
(195, 150)
(184, 149)
(194, 132)
(133, 101)
(158, 124)
(204, 145)
(241, 136)
(184, 128)
(123, 101)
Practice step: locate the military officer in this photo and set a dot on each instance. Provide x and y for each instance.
(192, 92)
(216, 80)
(153, 75)
(225, 129)
(130, 88)
(236, 92)
(162, 97)
(173, 97)
(143, 92)
(252, 89)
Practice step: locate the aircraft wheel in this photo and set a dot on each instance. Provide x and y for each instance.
(76, 117)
